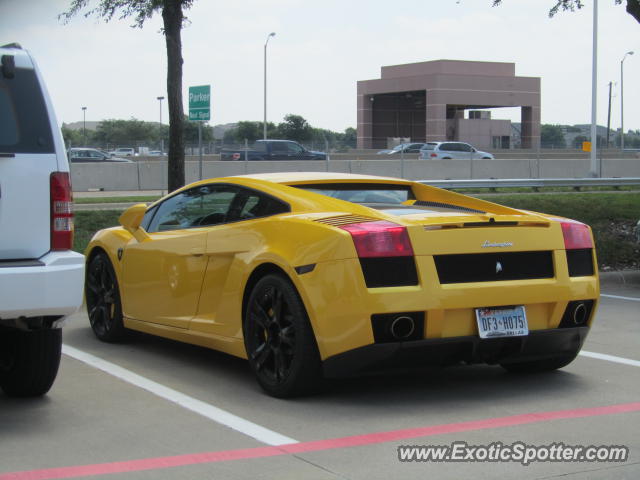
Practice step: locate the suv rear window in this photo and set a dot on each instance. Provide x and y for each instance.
(23, 115)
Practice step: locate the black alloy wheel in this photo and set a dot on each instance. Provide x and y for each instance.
(279, 340)
(103, 299)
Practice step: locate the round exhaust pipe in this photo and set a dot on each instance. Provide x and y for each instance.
(402, 327)
(580, 314)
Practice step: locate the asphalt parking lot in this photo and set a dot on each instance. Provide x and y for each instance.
(155, 409)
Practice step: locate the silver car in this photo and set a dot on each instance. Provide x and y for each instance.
(452, 150)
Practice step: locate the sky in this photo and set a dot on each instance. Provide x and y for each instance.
(321, 49)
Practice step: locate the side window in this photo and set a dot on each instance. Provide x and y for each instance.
(446, 147)
(465, 147)
(294, 149)
(251, 204)
(202, 206)
(260, 147)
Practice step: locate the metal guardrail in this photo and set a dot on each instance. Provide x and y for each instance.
(576, 183)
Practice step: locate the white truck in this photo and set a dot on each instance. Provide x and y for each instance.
(41, 278)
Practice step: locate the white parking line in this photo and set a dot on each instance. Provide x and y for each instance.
(610, 358)
(211, 412)
(633, 299)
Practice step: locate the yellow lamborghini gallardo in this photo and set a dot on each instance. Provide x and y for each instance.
(324, 274)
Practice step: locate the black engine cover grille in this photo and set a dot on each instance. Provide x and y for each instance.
(494, 267)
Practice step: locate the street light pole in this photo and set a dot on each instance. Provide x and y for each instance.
(161, 137)
(622, 101)
(84, 126)
(272, 34)
(593, 171)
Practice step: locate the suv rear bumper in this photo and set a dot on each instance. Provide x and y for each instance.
(52, 285)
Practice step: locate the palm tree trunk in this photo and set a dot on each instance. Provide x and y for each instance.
(173, 17)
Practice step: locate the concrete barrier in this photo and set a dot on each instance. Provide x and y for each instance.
(152, 175)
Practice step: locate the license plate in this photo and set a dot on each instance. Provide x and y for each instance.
(502, 322)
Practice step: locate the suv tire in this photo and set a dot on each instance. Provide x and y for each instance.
(29, 361)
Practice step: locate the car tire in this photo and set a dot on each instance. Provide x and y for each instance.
(29, 361)
(102, 293)
(279, 340)
(539, 366)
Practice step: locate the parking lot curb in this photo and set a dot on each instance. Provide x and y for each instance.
(623, 277)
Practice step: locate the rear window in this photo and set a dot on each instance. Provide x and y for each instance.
(363, 193)
(23, 115)
(429, 146)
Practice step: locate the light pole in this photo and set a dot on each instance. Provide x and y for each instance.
(272, 34)
(622, 101)
(84, 126)
(161, 137)
(593, 171)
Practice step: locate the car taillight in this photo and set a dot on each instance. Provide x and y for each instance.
(61, 211)
(434, 155)
(576, 235)
(380, 239)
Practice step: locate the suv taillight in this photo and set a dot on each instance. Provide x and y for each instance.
(380, 239)
(61, 211)
(576, 235)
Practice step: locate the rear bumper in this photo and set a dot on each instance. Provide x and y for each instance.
(50, 286)
(538, 345)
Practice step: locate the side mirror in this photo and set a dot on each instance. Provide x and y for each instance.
(132, 217)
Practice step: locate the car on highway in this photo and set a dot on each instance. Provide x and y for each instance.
(272, 150)
(452, 150)
(92, 155)
(41, 276)
(123, 152)
(327, 274)
(402, 148)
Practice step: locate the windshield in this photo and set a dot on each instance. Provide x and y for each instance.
(364, 193)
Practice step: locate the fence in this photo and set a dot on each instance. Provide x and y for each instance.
(152, 174)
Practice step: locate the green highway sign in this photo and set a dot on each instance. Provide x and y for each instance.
(200, 103)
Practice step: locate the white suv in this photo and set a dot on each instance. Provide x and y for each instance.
(40, 277)
(123, 152)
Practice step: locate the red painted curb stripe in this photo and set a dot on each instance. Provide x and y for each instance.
(314, 446)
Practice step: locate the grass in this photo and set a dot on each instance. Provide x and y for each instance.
(131, 199)
(605, 212)
(506, 190)
(87, 223)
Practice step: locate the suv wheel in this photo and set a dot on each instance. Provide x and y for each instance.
(29, 361)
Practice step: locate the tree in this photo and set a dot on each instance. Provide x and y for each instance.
(633, 6)
(173, 20)
(295, 127)
(551, 136)
(191, 131)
